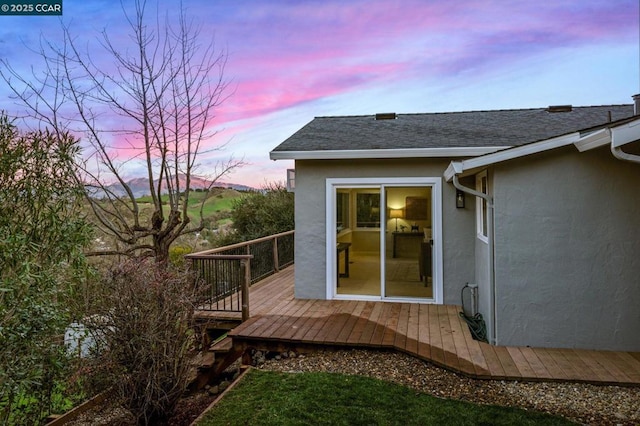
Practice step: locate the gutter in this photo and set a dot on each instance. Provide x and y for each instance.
(625, 134)
(490, 247)
(621, 155)
(350, 154)
(621, 136)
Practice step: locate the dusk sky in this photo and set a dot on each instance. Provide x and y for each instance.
(290, 61)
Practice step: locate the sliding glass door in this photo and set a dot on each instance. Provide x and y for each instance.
(383, 239)
(358, 241)
(407, 257)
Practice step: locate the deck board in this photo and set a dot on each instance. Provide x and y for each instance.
(494, 366)
(459, 341)
(511, 371)
(582, 370)
(334, 325)
(290, 316)
(446, 334)
(520, 362)
(391, 330)
(412, 329)
(588, 358)
(537, 366)
(343, 337)
(611, 364)
(437, 354)
(630, 365)
(403, 326)
(563, 359)
(323, 315)
(433, 333)
(424, 349)
(360, 324)
(549, 363)
(370, 326)
(381, 326)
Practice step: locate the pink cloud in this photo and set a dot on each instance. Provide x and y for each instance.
(286, 53)
(303, 52)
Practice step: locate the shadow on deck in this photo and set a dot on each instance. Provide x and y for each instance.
(433, 333)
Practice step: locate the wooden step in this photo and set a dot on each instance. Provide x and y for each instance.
(222, 346)
(207, 360)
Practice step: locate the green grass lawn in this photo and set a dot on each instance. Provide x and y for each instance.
(214, 204)
(271, 398)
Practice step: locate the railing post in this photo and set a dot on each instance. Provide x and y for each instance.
(276, 260)
(245, 288)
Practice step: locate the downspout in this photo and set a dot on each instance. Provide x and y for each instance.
(617, 150)
(625, 156)
(490, 246)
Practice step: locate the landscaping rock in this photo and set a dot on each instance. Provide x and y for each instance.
(224, 385)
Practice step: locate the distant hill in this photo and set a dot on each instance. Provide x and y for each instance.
(140, 186)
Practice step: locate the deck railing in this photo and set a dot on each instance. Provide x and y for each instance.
(229, 271)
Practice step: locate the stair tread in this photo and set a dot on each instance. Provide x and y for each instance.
(224, 345)
(207, 360)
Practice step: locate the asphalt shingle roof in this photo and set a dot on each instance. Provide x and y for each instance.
(448, 130)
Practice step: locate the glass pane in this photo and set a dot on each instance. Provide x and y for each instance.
(368, 210)
(358, 249)
(342, 210)
(408, 258)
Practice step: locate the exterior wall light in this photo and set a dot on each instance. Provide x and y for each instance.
(459, 199)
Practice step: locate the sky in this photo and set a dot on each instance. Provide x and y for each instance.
(289, 61)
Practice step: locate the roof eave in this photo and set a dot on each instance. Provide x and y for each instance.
(509, 154)
(615, 135)
(385, 153)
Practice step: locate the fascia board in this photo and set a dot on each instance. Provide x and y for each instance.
(520, 151)
(454, 168)
(384, 153)
(594, 140)
(625, 134)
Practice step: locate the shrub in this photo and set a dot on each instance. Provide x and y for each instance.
(176, 255)
(259, 214)
(41, 266)
(144, 317)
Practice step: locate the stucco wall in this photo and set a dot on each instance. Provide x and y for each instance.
(482, 266)
(458, 224)
(567, 251)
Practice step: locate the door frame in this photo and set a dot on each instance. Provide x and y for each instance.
(331, 237)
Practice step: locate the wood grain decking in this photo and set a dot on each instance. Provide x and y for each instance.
(434, 333)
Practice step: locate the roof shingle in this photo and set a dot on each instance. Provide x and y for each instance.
(448, 130)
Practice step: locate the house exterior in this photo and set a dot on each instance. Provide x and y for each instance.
(536, 209)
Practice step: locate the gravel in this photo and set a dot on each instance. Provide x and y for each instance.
(582, 403)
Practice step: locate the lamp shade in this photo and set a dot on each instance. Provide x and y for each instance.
(395, 214)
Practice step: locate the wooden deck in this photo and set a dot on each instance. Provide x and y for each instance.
(434, 333)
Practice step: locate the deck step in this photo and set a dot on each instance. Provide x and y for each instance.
(207, 360)
(222, 346)
(210, 364)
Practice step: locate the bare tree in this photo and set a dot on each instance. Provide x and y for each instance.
(156, 97)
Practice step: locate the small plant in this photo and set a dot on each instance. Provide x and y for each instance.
(145, 315)
(176, 255)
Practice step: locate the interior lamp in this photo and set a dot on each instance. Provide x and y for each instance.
(395, 214)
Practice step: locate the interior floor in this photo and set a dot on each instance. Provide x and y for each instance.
(402, 277)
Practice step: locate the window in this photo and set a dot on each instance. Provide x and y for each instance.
(368, 210)
(291, 180)
(342, 210)
(482, 185)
